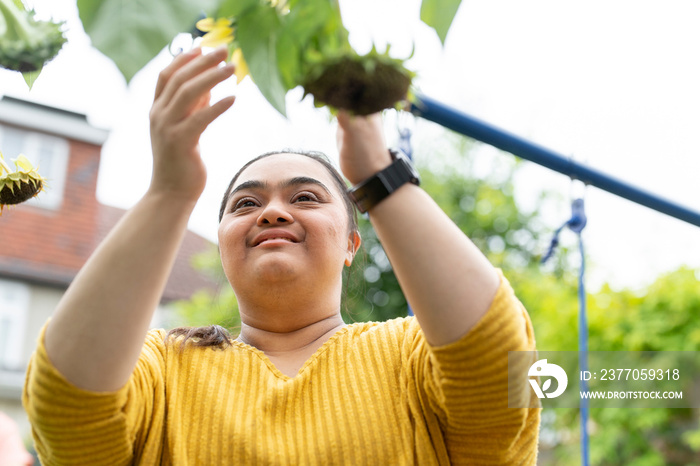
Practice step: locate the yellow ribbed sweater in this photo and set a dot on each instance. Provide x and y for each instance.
(374, 393)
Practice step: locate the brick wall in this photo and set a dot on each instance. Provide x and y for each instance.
(55, 243)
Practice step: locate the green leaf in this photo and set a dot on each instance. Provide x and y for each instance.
(236, 7)
(132, 32)
(31, 76)
(439, 14)
(299, 26)
(257, 32)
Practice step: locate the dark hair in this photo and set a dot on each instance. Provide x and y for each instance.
(215, 335)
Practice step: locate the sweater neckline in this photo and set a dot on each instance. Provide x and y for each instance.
(278, 373)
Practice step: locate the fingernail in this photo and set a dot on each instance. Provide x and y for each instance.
(229, 68)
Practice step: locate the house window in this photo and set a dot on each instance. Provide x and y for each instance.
(14, 307)
(49, 153)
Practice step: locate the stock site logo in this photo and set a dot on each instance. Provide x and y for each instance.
(542, 369)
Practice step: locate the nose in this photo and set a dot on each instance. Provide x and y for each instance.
(274, 213)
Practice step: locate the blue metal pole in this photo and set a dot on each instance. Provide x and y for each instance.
(455, 120)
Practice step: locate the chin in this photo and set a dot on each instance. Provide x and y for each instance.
(271, 271)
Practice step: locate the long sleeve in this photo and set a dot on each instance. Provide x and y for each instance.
(75, 426)
(465, 384)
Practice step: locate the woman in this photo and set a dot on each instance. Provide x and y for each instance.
(298, 386)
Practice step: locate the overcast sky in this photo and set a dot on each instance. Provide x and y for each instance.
(611, 84)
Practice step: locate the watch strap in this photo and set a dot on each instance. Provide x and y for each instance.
(376, 188)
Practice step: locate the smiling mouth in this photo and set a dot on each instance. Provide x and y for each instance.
(268, 240)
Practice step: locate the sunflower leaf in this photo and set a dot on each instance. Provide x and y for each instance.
(31, 76)
(303, 21)
(258, 33)
(132, 32)
(236, 7)
(439, 14)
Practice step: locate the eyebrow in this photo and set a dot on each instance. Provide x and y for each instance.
(296, 181)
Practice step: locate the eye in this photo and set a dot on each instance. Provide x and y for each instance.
(241, 203)
(305, 197)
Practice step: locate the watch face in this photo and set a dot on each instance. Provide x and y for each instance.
(397, 154)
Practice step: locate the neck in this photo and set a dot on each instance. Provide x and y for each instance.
(288, 317)
(291, 340)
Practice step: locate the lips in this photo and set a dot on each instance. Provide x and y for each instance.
(275, 234)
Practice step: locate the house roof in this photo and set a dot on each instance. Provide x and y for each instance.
(41, 253)
(184, 278)
(51, 120)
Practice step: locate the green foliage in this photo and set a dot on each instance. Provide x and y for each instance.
(661, 318)
(30, 77)
(282, 42)
(132, 32)
(258, 33)
(236, 8)
(304, 21)
(439, 14)
(484, 208)
(208, 307)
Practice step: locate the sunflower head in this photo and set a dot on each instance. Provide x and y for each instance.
(360, 84)
(22, 184)
(26, 43)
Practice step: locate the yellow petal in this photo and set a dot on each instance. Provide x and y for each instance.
(223, 23)
(23, 164)
(4, 166)
(241, 65)
(217, 37)
(206, 24)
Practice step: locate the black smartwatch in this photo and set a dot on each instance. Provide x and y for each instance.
(377, 187)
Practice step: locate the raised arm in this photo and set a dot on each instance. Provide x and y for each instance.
(98, 329)
(446, 279)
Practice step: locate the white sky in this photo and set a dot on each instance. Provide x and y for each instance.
(612, 84)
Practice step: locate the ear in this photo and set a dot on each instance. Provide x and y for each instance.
(354, 242)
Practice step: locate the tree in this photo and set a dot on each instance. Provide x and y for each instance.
(661, 318)
(482, 207)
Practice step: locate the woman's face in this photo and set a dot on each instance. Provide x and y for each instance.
(285, 221)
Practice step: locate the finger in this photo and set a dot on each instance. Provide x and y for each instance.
(203, 101)
(191, 70)
(177, 63)
(202, 118)
(193, 91)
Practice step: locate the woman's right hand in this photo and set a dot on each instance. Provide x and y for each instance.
(96, 335)
(181, 112)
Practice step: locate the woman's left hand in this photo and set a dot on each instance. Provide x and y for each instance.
(361, 144)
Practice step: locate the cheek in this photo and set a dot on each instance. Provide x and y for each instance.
(231, 237)
(337, 233)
